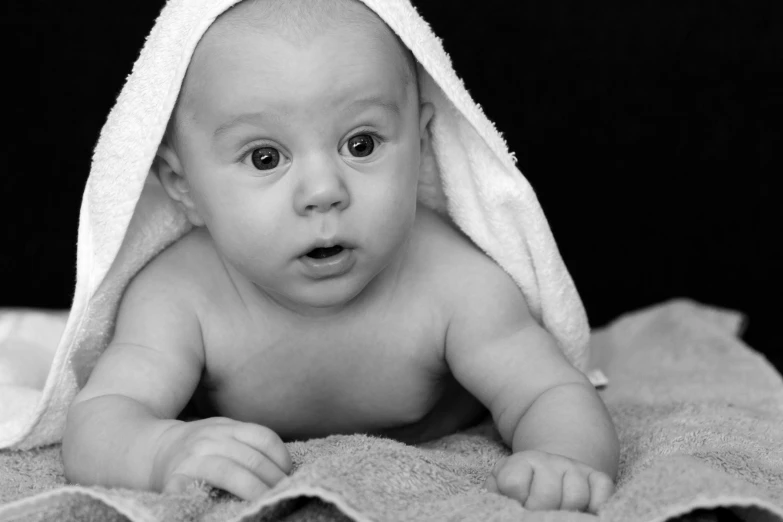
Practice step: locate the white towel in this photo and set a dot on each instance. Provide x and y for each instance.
(126, 218)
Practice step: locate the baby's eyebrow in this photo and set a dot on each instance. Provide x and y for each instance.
(376, 101)
(249, 117)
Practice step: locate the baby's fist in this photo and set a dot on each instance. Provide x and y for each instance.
(545, 481)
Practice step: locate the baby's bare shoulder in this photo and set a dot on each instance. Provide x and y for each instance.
(180, 276)
(188, 263)
(462, 269)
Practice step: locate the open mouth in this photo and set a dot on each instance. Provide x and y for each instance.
(323, 253)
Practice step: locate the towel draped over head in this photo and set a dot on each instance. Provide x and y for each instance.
(126, 218)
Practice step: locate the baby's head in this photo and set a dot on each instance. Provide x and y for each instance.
(299, 126)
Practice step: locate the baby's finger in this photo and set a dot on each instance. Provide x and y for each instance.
(601, 488)
(222, 473)
(491, 484)
(546, 489)
(258, 463)
(266, 441)
(178, 483)
(513, 478)
(576, 491)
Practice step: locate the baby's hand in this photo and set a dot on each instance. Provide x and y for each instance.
(545, 481)
(242, 458)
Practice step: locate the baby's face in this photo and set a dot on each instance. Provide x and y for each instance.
(285, 146)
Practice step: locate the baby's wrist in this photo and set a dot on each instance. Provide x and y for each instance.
(159, 442)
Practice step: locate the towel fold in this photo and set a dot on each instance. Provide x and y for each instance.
(698, 415)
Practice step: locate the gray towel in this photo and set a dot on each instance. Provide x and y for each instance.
(698, 413)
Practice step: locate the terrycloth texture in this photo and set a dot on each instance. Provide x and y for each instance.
(470, 175)
(697, 411)
(28, 339)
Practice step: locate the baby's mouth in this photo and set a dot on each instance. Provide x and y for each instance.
(323, 253)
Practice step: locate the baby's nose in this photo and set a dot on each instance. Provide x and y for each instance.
(322, 192)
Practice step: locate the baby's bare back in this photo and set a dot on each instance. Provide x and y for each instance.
(379, 370)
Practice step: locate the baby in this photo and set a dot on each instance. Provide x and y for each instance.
(313, 296)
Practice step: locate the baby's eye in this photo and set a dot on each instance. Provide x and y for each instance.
(361, 145)
(265, 158)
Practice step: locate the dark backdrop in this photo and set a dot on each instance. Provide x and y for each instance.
(650, 130)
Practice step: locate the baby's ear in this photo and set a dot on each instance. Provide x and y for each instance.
(172, 176)
(426, 111)
(430, 186)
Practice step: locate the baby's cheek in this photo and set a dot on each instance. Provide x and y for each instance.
(247, 239)
(395, 212)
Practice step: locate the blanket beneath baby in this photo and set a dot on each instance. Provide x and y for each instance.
(699, 416)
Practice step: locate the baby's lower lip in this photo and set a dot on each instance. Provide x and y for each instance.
(331, 266)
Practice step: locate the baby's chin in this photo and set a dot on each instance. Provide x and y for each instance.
(322, 298)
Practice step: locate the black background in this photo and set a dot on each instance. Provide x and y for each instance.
(650, 130)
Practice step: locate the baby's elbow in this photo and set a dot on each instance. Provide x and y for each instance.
(73, 445)
(74, 473)
(81, 440)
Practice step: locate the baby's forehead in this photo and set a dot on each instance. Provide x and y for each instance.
(298, 21)
(301, 21)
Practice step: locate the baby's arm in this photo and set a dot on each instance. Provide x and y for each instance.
(121, 429)
(557, 426)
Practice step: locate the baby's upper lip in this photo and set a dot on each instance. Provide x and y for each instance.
(326, 243)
